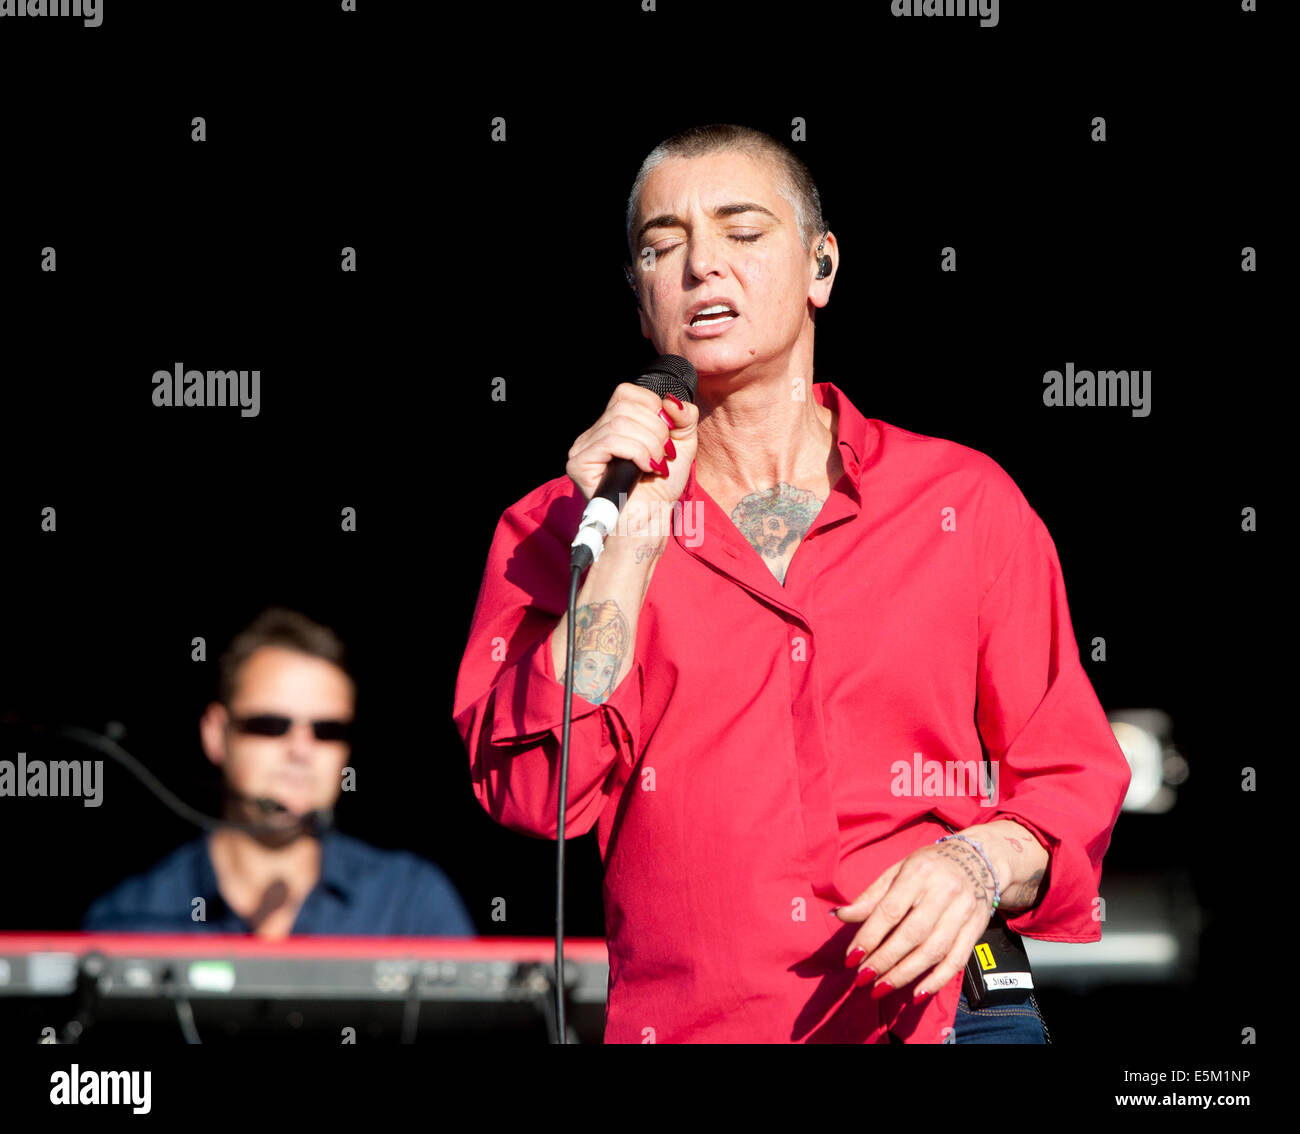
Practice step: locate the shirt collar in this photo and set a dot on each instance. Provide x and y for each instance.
(336, 869)
(856, 440)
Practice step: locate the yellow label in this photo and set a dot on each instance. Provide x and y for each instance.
(985, 954)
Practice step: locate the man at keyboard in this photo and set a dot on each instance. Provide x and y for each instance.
(280, 734)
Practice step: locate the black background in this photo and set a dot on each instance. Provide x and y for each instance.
(480, 259)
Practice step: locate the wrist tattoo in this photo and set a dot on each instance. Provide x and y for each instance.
(972, 865)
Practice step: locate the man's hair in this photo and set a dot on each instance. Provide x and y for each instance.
(287, 629)
(793, 180)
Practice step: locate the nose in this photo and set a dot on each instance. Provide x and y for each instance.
(705, 254)
(301, 740)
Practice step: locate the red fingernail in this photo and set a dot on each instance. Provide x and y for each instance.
(668, 419)
(883, 989)
(675, 402)
(854, 959)
(661, 467)
(921, 994)
(866, 976)
(670, 450)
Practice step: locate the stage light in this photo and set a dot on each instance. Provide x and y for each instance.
(1144, 736)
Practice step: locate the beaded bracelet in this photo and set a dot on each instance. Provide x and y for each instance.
(997, 889)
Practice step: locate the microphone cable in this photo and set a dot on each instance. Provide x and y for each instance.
(313, 820)
(668, 374)
(561, 1033)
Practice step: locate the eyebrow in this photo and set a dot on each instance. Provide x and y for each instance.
(667, 220)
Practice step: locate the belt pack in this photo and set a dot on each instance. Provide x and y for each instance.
(997, 971)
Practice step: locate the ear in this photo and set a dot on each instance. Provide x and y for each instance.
(212, 732)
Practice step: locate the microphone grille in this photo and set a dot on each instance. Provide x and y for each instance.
(670, 374)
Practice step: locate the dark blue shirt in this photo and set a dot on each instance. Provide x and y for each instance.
(361, 890)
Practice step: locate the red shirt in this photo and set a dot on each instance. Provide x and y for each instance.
(758, 763)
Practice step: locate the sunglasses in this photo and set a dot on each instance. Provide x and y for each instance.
(270, 724)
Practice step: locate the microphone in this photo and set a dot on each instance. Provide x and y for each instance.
(312, 821)
(668, 374)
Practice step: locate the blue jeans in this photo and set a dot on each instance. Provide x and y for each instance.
(1006, 1023)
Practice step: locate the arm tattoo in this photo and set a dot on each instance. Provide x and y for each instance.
(600, 639)
(776, 518)
(1024, 895)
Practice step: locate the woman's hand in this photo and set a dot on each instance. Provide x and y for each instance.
(658, 434)
(932, 907)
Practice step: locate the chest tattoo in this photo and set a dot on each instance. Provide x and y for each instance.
(775, 520)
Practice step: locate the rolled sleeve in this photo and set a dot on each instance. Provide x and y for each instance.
(509, 702)
(529, 704)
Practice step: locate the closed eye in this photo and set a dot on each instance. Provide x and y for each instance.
(745, 239)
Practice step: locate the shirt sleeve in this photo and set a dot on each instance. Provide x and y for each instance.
(101, 915)
(1059, 770)
(436, 906)
(134, 906)
(509, 704)
(130, 906)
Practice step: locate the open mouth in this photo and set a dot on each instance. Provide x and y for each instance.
(711, 316)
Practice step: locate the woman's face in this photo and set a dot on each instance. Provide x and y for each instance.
(720, 231)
